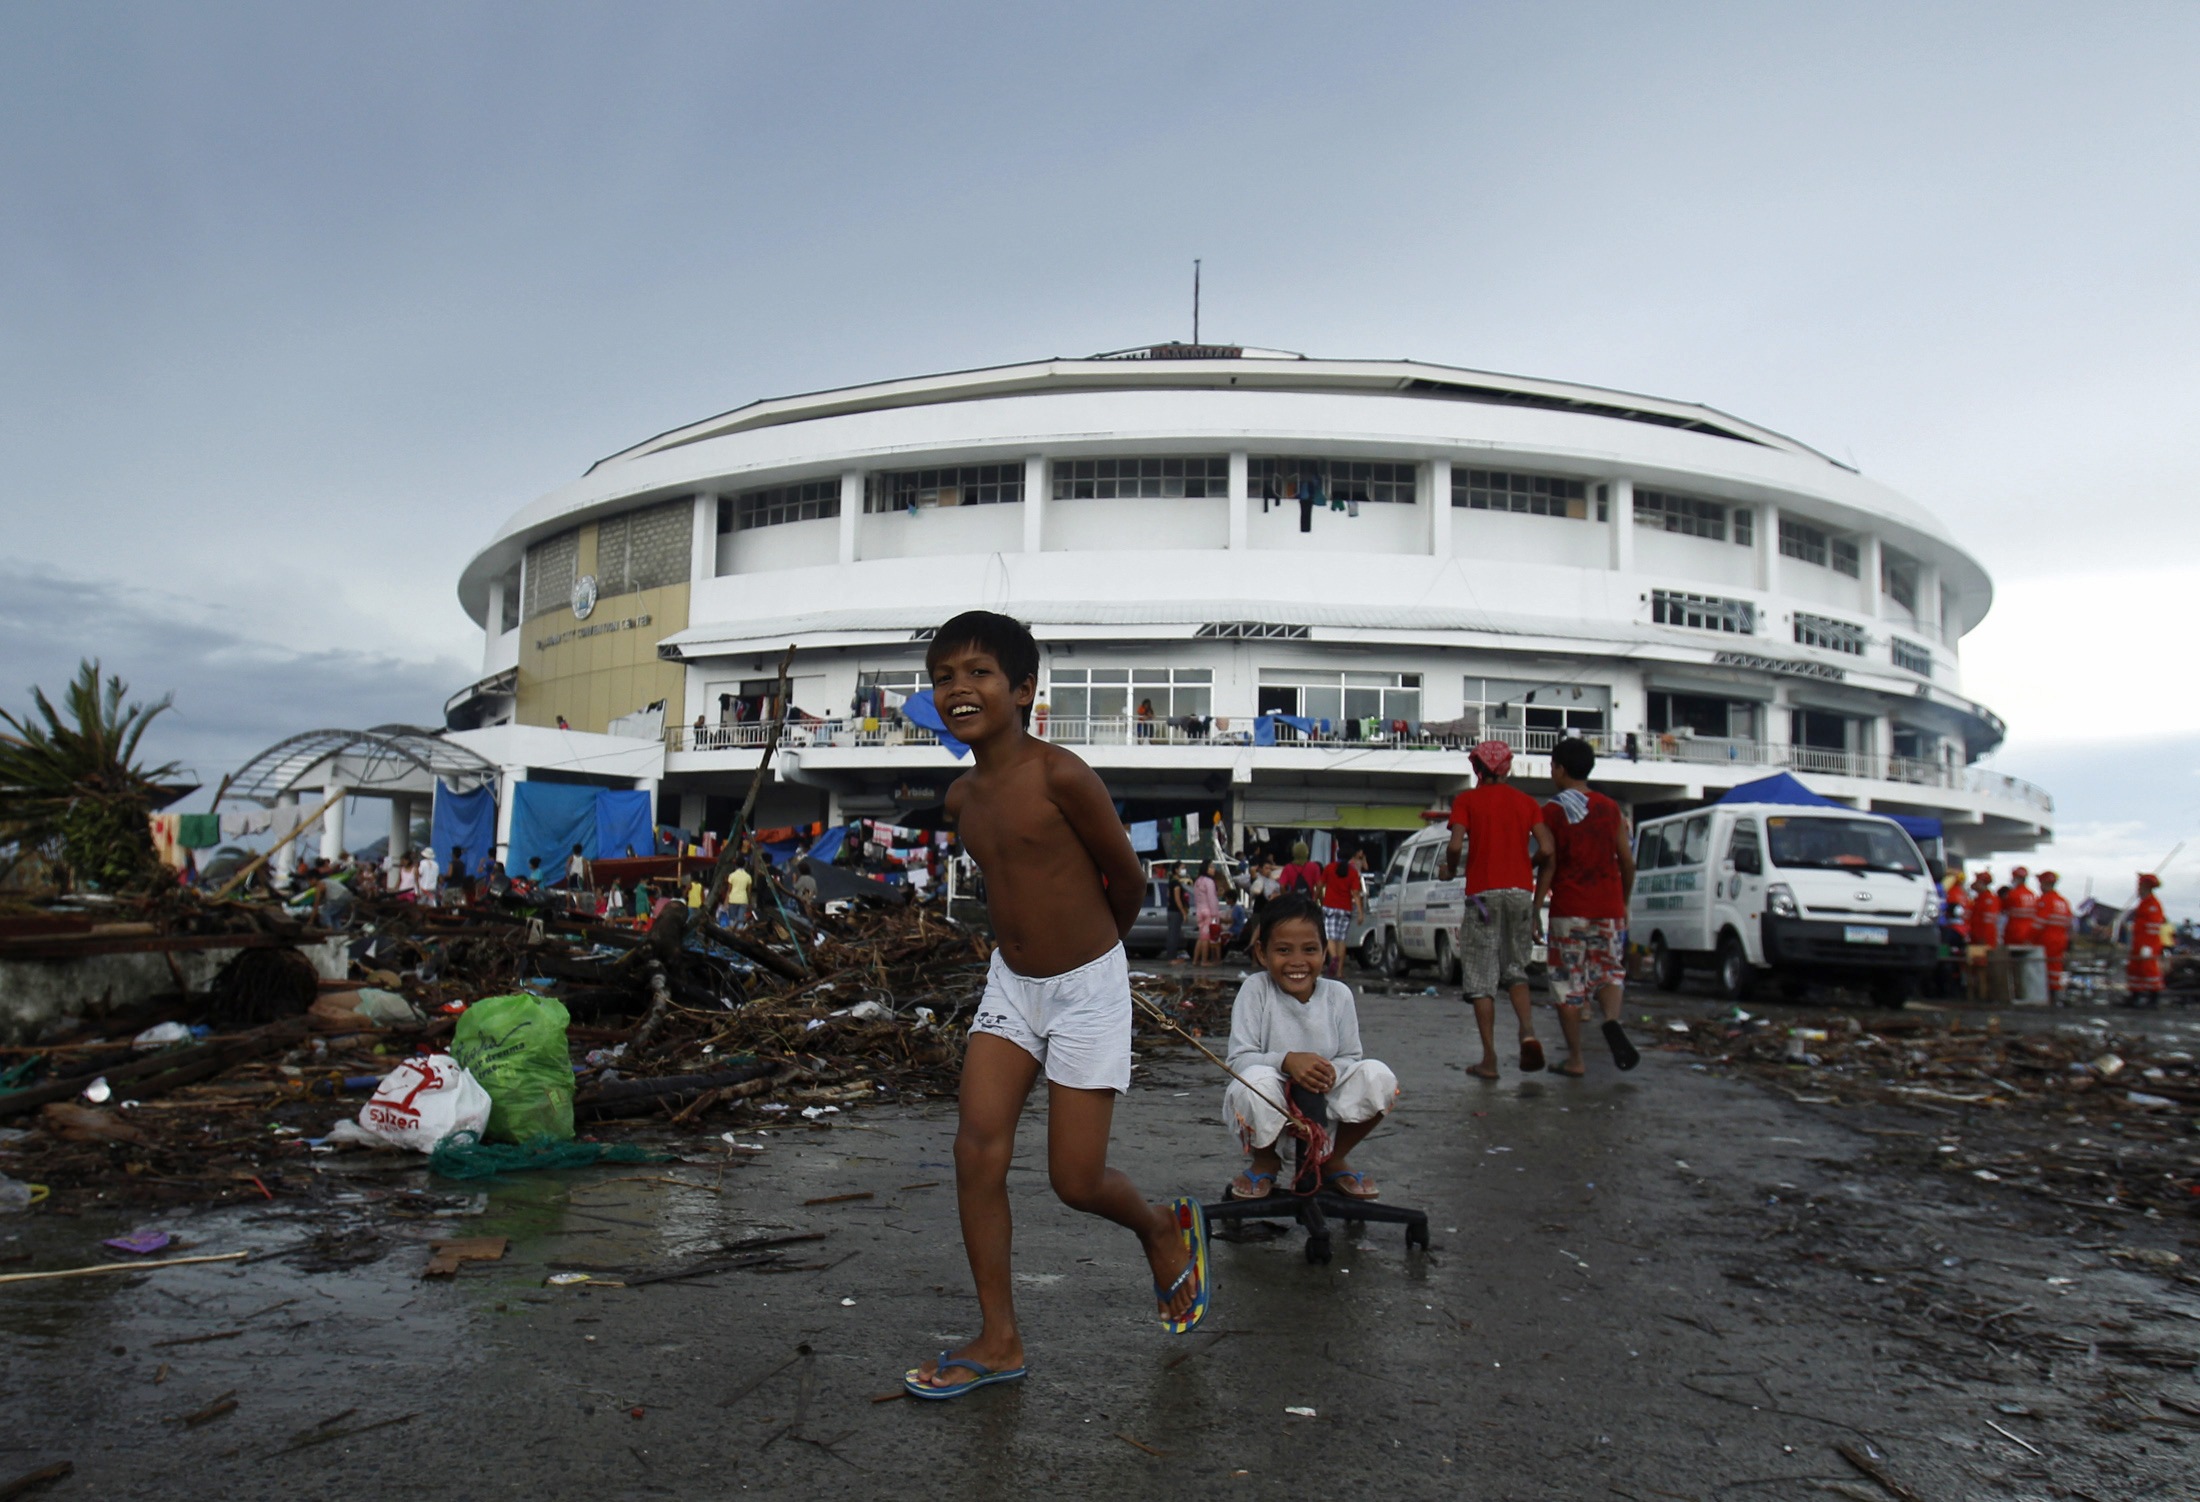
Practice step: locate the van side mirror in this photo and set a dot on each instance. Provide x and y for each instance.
(1746, 861)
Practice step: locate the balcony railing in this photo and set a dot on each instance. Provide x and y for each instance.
(1127, 730)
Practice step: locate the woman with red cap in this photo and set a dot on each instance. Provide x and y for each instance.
(2143, 968)
(2053, 917)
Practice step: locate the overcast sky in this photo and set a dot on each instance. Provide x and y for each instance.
(297, 303)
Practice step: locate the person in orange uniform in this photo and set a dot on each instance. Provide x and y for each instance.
(2018, 925)
(2052, 916)
(1954, 900)
(1985, 930)
(2143, 967)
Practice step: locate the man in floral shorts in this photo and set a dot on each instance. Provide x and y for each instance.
(1587, 883)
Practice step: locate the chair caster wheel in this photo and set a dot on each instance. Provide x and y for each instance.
(1317, 1250)
(1417, 1236)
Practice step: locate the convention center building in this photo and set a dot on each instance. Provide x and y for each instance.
(1287, 591)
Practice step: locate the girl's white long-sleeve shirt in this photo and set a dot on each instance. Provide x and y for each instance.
(1267, 1022)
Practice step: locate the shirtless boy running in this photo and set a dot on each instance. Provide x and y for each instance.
(1062, 885)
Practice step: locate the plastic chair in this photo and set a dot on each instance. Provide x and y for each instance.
(1313, 1206)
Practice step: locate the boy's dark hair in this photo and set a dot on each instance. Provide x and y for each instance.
(1577, 756)
(1283, 910)
(1007, 638)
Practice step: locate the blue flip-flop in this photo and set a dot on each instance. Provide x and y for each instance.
(1191, 1224)
(1255, 1179)
(913, 1382)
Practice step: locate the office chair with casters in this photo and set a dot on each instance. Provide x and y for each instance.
(1312, 1205)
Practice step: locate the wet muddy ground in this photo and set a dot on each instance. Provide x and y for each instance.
(1659, 1285)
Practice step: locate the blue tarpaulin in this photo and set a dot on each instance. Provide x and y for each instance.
(466, 821)
(918, 709)
(548, 820)
(623, 818)
(1264, 728)
(829, 843)
(1782, 787)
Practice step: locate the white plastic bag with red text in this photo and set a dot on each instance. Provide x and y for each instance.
(424, 1100)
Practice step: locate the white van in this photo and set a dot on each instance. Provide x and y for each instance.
(1794, 892)
(1414, 918)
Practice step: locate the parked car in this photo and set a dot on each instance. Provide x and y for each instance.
(1413, 918)
(1777, 890)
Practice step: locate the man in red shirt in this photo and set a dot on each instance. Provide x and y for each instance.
(1506, 847)
(1588, 881)
(1340, 893)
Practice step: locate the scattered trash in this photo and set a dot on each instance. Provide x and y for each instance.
(161, 1036)
(1303, 1413)
(141, 1243)
(98, 1092)
(515, 1046)
(17, 1196)
(449, 1254)
(425, 1100)
(812, 1113)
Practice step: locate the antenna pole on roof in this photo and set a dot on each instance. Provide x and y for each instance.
(1195, 299)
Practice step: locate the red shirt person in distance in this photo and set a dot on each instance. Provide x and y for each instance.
(1340, 893)
(1587, 882)
(1501, 830)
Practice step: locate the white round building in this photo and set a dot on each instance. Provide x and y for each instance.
(1283, 590)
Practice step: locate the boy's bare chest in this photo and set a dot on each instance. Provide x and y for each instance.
(1012, 823)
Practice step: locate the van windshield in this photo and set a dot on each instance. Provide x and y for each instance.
(1842, 845)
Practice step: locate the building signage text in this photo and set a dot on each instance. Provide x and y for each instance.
(632, 622)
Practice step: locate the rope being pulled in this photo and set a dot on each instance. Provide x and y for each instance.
(1297, 1122)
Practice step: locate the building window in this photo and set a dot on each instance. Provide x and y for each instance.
(968, 485)
(1534, 495)
(1169, 479)
(1687, 715)
(1315, 695)
(1253, 631)
(1799, 541)
(1828, 635)
(551, 566)
(1557, 710)
(1113, 693)
(1898, 578)
(1745, 526)
(1846, 559)
(1687, 514)
(809, 501)
(645, 549)
(1703, 612)
(1911, 657)
(510, 616)
(1327, 480)
(1824, 730)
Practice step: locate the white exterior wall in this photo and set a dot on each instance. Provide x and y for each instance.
(1144, 523)
(1508, 537)
(764, 550)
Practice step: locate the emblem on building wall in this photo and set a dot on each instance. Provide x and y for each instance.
(584, 596)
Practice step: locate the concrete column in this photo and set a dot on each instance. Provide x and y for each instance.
(1622, 522)
(1775, 731)
(1037, 495)
(492, 623)
(1768, 548)
(703, 549)
(508, 781)
(286, 859)
(401, 825)
(1241, 504)
(1440, 518)
(649, 785)
(332, 823)
(1928, 600)
(1868, 564)
(851, 512)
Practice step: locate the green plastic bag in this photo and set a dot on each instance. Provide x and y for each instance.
(515, 1046)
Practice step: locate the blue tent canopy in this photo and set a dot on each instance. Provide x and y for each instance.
(465, 820)
(1783, 787)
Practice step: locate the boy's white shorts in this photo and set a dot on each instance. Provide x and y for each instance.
(1363, 1091)
(1076, 1024)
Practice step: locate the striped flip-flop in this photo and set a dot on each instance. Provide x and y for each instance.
(1191, 1224)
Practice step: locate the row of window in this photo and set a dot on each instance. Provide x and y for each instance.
(1813, 545)
(1695, 612)
(1694, 516)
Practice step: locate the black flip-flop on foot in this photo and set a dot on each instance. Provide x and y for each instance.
(1623, 1050)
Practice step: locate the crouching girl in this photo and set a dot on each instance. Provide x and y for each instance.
(1291, 1024)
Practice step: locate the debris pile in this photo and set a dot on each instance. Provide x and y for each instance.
(2094, 1120)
